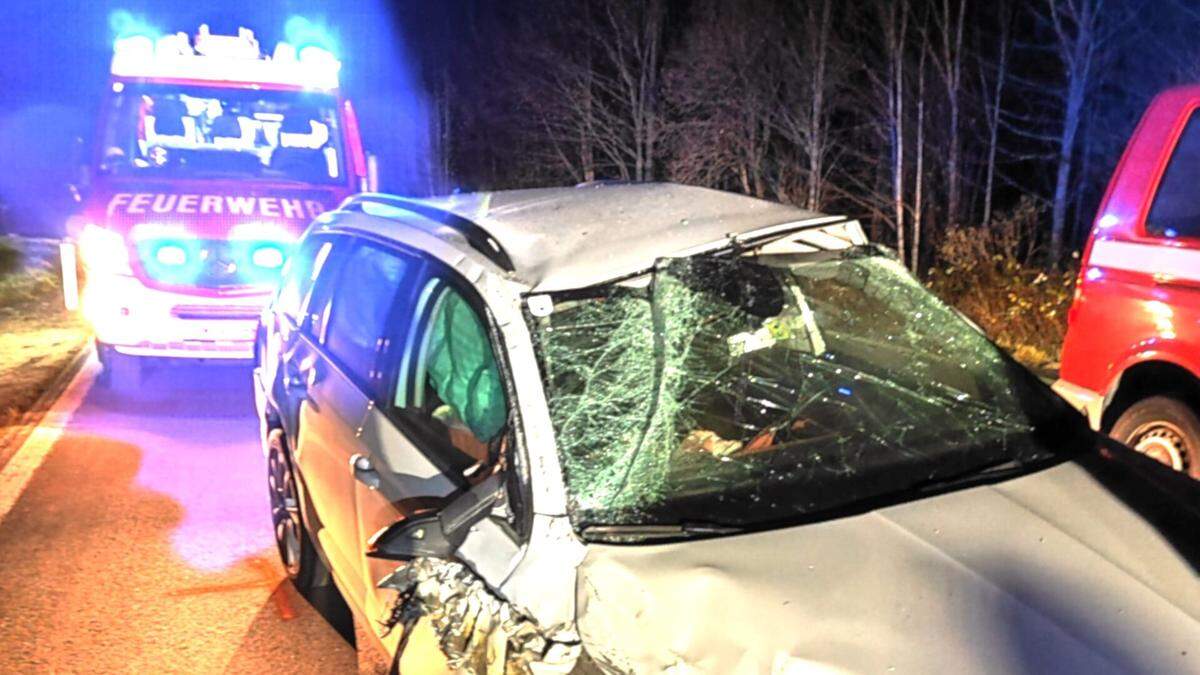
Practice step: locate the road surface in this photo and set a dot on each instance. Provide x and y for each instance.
(135, 537)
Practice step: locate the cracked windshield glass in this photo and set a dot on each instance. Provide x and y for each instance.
(744, 391)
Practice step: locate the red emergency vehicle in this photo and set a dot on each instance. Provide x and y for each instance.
(210, 159)
(1131, 360)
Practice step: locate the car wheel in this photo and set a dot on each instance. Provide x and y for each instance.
(119, 372)
(296, 550)
(1165, 429)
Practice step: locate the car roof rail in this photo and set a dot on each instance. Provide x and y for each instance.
(478, 238)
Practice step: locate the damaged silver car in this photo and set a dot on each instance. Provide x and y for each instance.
(653, 428)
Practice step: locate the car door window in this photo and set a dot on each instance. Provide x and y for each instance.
(359, 309)
(1175, 211)
(299, 273)
(450, 383)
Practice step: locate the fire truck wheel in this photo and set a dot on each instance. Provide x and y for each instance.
(120, 372)
(1165, 429)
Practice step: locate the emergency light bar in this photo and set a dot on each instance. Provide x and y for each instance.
(224, 58)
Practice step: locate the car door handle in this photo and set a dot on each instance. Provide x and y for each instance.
(364, 472)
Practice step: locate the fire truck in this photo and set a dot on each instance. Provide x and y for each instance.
(210, 159)
(1131, 359)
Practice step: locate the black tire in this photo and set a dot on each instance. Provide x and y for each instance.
(1165, 429)
(120, 372)
(296, 549)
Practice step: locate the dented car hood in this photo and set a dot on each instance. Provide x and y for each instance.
(1048, 572)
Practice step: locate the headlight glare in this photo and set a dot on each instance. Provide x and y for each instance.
(103, 250)
(171, 255)
(267, 257)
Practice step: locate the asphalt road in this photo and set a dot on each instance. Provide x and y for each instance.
(142, 540)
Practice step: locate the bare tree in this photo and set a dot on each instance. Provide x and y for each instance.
(1083, 32)
(893, 16)
(632, 46)
(948, 18)
(590, 91)
(993, 92)
(919, 188)
(722, 95)
(812, 70)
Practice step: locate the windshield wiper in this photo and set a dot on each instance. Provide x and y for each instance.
(682, 530)
(977, 476)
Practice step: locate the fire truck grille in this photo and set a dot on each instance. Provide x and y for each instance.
(211, 312)
(211, 263)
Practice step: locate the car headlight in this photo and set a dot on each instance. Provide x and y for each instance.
(103, 250)
(171, 255)
(269, 257)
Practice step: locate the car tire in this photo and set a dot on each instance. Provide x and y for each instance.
(1165, 429)
(119, 372)
(296, 550)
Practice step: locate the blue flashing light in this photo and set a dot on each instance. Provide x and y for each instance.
(306, 35)
(260, 262)
(171, 255)
(125, 26)
(845, 391)
(1171, 232)
(267, 257)
(172, 260)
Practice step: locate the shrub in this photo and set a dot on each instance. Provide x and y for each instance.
(10, 257)
(988, 275)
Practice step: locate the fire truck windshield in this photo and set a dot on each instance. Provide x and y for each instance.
(175, 131)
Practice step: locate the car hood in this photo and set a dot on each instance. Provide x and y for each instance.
(1049, 572)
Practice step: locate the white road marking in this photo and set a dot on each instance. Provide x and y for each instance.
(25, 462)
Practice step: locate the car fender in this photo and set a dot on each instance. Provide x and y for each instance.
(1175, 352)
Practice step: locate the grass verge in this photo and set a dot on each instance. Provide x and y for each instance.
(38, 339)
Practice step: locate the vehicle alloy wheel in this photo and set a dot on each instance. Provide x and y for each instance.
(295, 548)
(1164, 429)
(285, 511)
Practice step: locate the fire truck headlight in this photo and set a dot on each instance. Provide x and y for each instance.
(103, 250)
(267, 257)
(171, 255)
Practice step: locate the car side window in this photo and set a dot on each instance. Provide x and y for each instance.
(360, 307)
(450, 383)
(1175, 211)
(299, 273)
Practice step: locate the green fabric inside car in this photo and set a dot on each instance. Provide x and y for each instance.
(462, 368)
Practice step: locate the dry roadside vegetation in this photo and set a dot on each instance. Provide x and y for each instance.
(989, 274)
(38, 338)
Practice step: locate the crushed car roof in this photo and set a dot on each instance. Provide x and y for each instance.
(572, 237)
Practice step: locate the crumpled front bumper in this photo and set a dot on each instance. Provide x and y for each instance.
(141, 321)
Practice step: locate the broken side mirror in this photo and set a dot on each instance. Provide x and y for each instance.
(438, 535)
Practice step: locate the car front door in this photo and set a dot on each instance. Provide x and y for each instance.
(442, 427)
(335, 367)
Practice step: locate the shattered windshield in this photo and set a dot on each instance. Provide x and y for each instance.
(743, 391)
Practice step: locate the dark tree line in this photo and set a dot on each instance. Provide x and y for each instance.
(916, 115)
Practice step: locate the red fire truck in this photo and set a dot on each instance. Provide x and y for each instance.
(1131, 360)
(210, 160)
